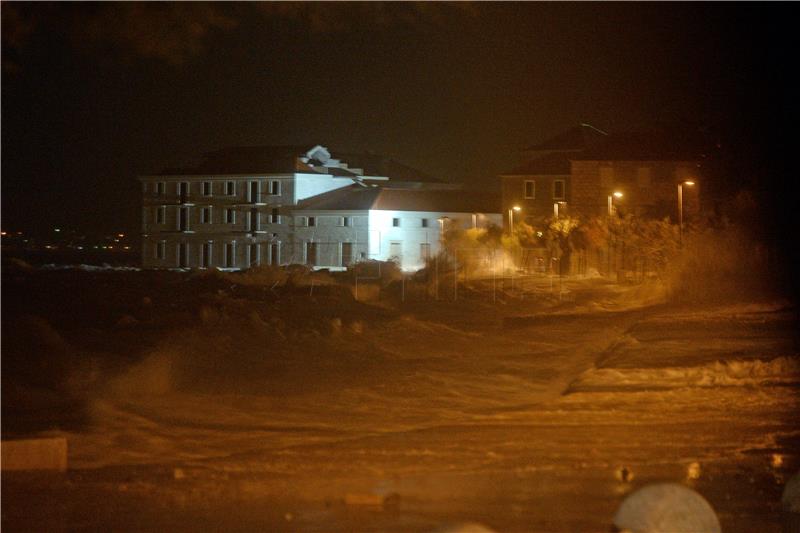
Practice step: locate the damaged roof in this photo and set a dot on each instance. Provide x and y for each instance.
(361, 198)
(286, 160)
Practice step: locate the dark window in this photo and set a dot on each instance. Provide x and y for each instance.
(424, 251)
(275, 254)
(230, 188)
(254, 190)
(254, 220)
(183, 254)
(275, 188)
(396, 222)
(206, 188)
(276, 219)
(183, 219)
(558, 189)
(206, 257)
(255, 255)
(347, 253)
(183, 190)
(346, 222)
(311, 253)
(312, 221)
(161, 215)
(206, 215)
(230, 254)
(230, 216)
(161, 250)
(530, 189)
(424, 222)
(160, 188)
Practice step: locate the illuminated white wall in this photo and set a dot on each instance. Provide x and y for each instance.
(410, 235)
(308, 185)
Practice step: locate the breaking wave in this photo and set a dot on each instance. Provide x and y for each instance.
(779, 371)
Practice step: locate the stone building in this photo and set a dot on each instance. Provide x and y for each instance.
(578, 172)
(250, 206)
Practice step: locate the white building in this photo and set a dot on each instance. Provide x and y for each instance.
(251, 206)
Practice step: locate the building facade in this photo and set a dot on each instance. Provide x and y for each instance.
(579, 172)
(255, 206)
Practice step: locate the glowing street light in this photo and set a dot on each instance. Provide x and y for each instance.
(511, 218)
(688, 183)
(615, 194)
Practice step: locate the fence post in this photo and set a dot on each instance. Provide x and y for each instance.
(455, 274)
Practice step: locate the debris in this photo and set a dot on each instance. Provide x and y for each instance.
(693, 471)
(624, 474)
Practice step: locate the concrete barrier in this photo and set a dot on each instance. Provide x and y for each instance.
(34, 454)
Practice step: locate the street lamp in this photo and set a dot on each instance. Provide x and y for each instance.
(615, 194)
(688, 183)
(511, 218)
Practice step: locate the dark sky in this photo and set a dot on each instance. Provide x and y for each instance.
(96, 94)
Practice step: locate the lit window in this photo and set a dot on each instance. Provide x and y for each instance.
(558, 189)
(395, 222)
(530, 189)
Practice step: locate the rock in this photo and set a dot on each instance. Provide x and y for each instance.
(666, 507)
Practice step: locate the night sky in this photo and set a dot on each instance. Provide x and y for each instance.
(95, 94)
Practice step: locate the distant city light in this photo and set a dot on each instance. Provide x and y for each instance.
(57, 230)
(2, 233)
(120, 235)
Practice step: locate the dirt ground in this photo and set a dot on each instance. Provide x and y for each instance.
(196, 403)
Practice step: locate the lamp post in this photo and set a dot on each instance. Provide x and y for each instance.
(511, 218)
(615, 194)
(688, 183)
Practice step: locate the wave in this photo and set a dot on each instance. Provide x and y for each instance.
(750, 372)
